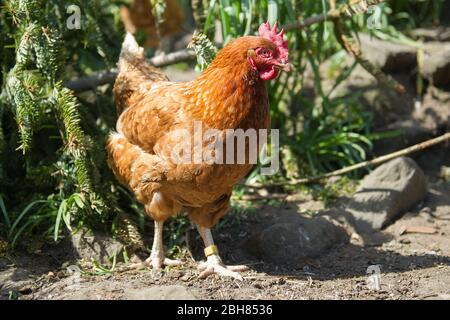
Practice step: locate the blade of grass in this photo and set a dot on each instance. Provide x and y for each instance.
(23, 213)
(5, 213)
(61, 211)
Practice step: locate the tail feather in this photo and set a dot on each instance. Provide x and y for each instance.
(133, 71)
(131, 52)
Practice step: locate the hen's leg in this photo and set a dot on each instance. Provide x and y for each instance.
(157, 258)
(213, 263)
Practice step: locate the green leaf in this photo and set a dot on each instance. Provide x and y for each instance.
(78, 200)
(272, 12)
(5, 213)
(61, 211)
(23, 213)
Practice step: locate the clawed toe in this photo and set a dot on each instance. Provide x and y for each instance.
(172, 263)
(221, 271)
(215, 266)
(157, 263)
(237, 268)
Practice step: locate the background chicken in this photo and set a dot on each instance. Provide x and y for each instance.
(230, 94)
(140, 17)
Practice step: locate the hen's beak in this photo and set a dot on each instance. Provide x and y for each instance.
(286, 67)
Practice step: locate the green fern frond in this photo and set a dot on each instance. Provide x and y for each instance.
(204, 49)
(158, 9)
(99, 38)
(49, 52)
(67, 107)
(199, 12)
(26, 10)
(23, 90)
(23, 50)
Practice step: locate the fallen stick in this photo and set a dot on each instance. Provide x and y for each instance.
(109, 76)
(417, 229)
(376, 161)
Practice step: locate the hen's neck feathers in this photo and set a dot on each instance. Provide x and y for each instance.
(230, 94)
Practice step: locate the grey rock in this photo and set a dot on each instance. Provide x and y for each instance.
(386, 193)
(436, 67)
(97, 246)
(159, 293)
(414, 126)
(440, 33)
(389, 56)
(385, 105)
(13, 280)
(293, 238)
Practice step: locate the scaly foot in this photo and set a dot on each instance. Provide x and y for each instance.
(154, 262)
(214, 265)
(157, 262)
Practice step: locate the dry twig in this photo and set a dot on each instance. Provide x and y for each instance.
(417, 147)
(109, 76)
(355, 7)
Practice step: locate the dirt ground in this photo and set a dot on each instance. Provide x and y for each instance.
(412, 266)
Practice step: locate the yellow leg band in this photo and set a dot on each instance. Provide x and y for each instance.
(212, 249)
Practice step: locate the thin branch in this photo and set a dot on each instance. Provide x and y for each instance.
(109, 76)
(352, 47)
(417, 147)
(92, 82)
(311, 20)
(348, 10)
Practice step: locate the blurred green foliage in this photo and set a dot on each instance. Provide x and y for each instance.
(53, 171)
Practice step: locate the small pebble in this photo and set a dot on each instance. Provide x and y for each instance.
(257, 285)
(26, 290)
(185, 278)
(405, 241)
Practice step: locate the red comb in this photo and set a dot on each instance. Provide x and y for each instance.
(271, 34)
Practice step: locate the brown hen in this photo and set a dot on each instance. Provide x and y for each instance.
(140, 17)
(159, 118)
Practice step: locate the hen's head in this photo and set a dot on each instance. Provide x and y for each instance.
(265, 55)
(270, 56)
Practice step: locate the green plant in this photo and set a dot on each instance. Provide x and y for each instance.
(100, 270)
(34, 217)
(52, 166)
(53, 171)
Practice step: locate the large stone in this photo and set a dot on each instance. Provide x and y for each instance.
(12, 280)
(95, 245)
(293, 238)
(440, 33)
(114, 290)
(436, 67)
(389, 56)
(159, 293)
(386, 193)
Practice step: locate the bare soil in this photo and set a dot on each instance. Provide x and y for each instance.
(413, 265)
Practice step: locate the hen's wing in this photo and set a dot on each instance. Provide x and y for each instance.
(155, 110)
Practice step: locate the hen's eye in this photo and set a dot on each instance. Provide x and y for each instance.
(264, 53)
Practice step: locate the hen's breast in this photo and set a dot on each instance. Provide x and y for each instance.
(218, 150)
